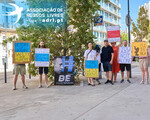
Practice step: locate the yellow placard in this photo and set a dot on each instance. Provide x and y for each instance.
(21, 57)
(139, 49)
(92, 73)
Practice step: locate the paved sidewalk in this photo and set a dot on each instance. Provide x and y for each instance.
(102, 102)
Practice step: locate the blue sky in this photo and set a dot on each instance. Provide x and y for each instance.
(134, 9)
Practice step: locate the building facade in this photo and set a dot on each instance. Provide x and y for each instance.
(111, 16)
(7, 29)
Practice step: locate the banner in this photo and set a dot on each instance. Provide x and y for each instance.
(64, 69)
(91, 69)
(21, 52)
(113, 33)
(42, 57)
(125, 55)
(139, 49)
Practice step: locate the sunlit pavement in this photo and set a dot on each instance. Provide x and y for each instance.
(103, 102)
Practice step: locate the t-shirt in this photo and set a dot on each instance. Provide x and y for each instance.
(91, 55)
(98, 57)
(106, 54)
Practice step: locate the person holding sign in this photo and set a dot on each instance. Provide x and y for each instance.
(90, 55)
(42, 45)
(144, 64)
(21, 55)
(107, 60)
(123, 66)
(115, 65)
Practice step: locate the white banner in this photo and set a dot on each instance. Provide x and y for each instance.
(125, 55)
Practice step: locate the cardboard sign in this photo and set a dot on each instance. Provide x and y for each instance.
(113, 33)
(91, 69)
(125, 55)
(21, 52)
(64, 70)
(139, 49)
(42, 57)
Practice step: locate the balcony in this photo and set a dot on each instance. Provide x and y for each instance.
(110, 10)
(117, 4)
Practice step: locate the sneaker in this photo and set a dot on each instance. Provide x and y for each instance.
(142, 82)
(111, 82)
(25, 87)
(47, 85)
(107, 82)
(147, 82)
(129, 81)
(122, 81)
(14, 88)
(98, 83)
(40, 86)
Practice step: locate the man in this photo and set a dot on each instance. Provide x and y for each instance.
(42, 45)
(58, 65)
(107, 60)
(19, 69)
(127, 66)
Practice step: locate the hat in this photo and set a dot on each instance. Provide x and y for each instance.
(105, 40)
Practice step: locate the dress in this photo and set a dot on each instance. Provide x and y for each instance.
(115, 65)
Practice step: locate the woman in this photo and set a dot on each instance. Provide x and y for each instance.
(90, 55)
(144, 64)
(115, 65)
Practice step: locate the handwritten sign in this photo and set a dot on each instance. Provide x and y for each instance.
(42, 57)
(113, 33)
(91, 69)
(139, 49)
(21, 52)
(125, 55)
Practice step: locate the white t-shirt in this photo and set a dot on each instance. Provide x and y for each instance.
(91, 55)
(98, 57)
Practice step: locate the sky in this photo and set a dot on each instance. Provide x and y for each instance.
(134, 9)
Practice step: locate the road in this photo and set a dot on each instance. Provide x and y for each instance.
(103, 102)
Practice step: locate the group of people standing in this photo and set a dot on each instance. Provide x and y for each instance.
(108, 56)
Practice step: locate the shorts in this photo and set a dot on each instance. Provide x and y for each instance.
(143, 63)
(107, 66)
(41, 70)
(125, 66)
(19, 69)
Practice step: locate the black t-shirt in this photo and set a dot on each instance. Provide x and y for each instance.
(106, 54)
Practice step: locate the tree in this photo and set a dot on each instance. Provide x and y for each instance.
(124, 36)
(140, 31)
(61, 40)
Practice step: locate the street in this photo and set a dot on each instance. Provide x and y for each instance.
(103, 102)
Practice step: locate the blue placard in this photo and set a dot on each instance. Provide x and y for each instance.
(91, 64)
(41, 57)
(22, 47)
(98, 19)
(68, 63)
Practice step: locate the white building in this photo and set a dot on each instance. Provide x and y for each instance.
(111, 16)
(9, 20)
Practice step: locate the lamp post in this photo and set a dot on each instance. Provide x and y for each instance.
(129, 22)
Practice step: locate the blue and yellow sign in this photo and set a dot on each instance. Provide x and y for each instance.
(21, 52)
(91, 69)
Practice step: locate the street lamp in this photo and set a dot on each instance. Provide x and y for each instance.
(129, 22)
